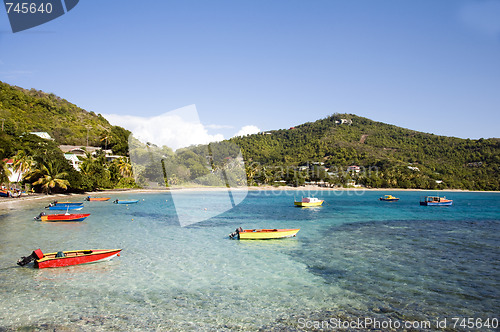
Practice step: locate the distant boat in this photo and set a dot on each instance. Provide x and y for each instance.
(125, 202)
(435, 201)
(308, 202)
(64, 207)
(263, 234)
(389, 198)
(62, 217)
(100, 199)
(67, 258)
(65, 203)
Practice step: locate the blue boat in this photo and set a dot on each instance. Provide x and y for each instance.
(436, 201)
(125, 202)
(64, 207)
(65, 203)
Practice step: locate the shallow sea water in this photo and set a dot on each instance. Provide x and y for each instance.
(354, 258)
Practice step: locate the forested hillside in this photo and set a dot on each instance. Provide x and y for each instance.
(320, 152)
(25, 111)
(396, 157)
(42, 164)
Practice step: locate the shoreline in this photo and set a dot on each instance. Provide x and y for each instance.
(32, 197)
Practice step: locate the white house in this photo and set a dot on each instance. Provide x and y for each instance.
(354, 168)
(73, 160)
(42, 134)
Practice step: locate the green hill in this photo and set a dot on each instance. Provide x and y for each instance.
(320, 151)
(389, 155)
(26, 111)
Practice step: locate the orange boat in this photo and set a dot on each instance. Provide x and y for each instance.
(97, 199)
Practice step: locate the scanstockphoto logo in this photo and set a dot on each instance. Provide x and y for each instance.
(25, 15)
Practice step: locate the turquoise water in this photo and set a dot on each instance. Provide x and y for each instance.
(354, 258)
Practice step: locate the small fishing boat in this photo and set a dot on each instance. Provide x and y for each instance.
(4, 193)
(62, 217)
(263, 234)
(97, 199)
(308, 202)
(389, 198)
(435, 201)
(64, 207)
(67, 258)
(65, 203)
(125, 202)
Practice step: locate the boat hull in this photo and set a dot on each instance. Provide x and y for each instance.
(98, 199)
(65, 207)
(126, 202)
(65, 217)
(69, 203)
(76, 257)
(437, 203)
(389, 199)
(308, 204)
(266, 234)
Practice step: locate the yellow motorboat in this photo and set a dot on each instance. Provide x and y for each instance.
(389, 198)
(263, 234)
(308, 202)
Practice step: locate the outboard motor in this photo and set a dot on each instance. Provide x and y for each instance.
(39, 216)
(87, 198)
(37, 254)
(115, 201)
(236, 233)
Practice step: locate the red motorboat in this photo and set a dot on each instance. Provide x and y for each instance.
(67, 258)
(68, 217)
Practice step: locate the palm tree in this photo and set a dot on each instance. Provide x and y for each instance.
(22, 163)
(49, 177)
(124, 167)
(4, 172)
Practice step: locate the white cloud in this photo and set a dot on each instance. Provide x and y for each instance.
(175, 129)
(216, 126)
(247, 130)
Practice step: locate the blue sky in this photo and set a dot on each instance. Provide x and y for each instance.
(432, 66)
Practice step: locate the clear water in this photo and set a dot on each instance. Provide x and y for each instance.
(354, 257)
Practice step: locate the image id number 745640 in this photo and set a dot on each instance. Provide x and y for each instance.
(474, 323)
(29, 7)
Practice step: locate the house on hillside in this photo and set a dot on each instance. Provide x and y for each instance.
(42, 134)
(352, 184)
(79, 150)
(354, 168)
(73, 160)
(344, 121)
(73, 152)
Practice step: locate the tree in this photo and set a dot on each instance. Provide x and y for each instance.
(23, 163)
(4, 172)
(48, 177)
(124, 167)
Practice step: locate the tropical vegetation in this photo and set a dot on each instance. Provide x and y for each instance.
(339, 150)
